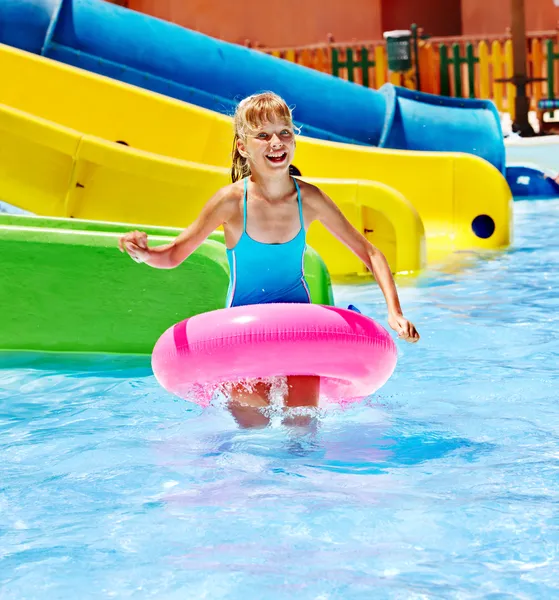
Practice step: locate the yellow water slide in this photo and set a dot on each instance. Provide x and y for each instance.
(82, 145)
(53, 170)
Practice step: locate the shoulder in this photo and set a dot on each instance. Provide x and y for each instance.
(226, 200)
(310, 193)
(230, 193)
(313, 197)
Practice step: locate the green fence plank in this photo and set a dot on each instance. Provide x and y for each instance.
(335, 62)
(365, 64)
(471, 61)
(444, 78)
(551, 56)
(457, 62)
(350, 65)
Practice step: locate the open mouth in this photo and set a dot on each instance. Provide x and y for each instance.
(277, 157)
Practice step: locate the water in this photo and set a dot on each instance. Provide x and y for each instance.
(539, 151)
(445, 484)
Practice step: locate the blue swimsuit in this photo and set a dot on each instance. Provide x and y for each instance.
(265, 273)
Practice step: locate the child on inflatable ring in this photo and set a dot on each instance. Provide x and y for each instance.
(265, 214)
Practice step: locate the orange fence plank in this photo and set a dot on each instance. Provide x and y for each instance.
(428, 68)
(322, 61)
(556, 63)
(536, 70)
(305, 58)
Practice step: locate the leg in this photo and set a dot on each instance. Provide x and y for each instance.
(246, 404)
(302, 391)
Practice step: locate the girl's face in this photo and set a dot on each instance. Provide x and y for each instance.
(270, 147)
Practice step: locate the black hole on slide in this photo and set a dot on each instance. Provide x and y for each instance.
(122, 142)
(483, 226)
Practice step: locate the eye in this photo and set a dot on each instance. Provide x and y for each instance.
(262, 135)
(286, 132)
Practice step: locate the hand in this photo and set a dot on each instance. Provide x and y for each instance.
(135, 244)
(405, 328)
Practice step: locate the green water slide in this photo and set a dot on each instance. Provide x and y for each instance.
(67, 288)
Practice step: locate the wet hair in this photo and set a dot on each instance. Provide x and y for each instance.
(252, 113)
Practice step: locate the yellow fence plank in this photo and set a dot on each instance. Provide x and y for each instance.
(509, 72)
(290, 56)
(381, 68)
(497, 64)
(483, 54)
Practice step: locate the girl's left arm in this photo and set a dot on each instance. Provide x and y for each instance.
(323, 209)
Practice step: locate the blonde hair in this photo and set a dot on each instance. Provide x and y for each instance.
(251, 113)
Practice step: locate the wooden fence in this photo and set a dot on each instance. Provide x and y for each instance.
(457, 67)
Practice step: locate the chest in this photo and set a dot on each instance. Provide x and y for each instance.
(265, 222)
(275, 219)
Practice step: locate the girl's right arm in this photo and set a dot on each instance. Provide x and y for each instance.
(217, 211)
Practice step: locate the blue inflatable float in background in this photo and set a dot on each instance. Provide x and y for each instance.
(530, 182)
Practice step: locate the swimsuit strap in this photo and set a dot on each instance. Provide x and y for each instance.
(299, 203)
(245, 207)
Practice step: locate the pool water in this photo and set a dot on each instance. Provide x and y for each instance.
(539, 151)
(444, 484)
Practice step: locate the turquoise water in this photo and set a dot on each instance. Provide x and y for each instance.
(445, 484)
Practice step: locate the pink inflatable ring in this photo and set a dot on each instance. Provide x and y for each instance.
(352, 354)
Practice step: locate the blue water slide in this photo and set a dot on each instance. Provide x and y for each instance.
(165, 58)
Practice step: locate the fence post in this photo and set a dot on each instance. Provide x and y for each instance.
(415, 34)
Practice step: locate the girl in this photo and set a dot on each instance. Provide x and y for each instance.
(265, 214)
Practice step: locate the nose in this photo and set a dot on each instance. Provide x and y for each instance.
(275, 141)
